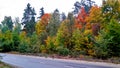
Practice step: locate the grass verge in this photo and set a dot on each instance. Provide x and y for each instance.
(3, 65)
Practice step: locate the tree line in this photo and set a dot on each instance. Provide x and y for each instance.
(88, 30)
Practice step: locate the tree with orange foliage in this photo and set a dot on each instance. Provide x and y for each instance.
(45, 19)
(40, 27)
(95, 15)
(42, 23)
(95, 18)
(80, 19)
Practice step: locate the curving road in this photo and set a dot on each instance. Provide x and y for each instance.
(23, 61)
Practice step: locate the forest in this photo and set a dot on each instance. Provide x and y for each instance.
(89, 30)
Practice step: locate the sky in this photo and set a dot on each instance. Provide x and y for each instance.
(15, 8)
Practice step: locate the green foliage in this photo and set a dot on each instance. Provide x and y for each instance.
(42, 37)
(101, 45)
(43, 49)
(34, 44)
(6, 42)
(30, 28)
(54, 24)
(4, 29)
(77, 40)
(17, 27)
(8, 22)
(16, 41)
(110, 10)
(23, 47)
(108, 42)
(62, 34)
(114, 38)
(29, 19)
(50, 46)
(62, 51)
(54, 36)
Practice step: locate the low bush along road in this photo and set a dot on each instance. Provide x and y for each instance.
(24, 61)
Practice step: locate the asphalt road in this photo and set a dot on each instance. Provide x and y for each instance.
(23, 61)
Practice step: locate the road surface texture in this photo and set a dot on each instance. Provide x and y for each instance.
(23, 61)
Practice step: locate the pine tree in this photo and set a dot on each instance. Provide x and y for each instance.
(41, 12)
(63, 16)
(54, 23)
(28, 19)
(8, 22)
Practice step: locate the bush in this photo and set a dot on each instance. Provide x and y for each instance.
(16, 41)
(43, 49)
(113, 36)
(50, 46)
(108, 42)
(23, 47)
(62, 51)
(6, 42)
(34, 43)
(7, 46)
(101, 46)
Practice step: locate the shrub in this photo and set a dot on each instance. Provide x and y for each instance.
(62, 51)
(43, 49)
(6, 42)
(23, 47)
(101, 45)
(108, 42)
(16, 41)
(51, 48)
(113, 34)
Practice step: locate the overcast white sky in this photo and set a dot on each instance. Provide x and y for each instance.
(15, 8)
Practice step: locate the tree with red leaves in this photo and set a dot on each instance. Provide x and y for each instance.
(80, 19)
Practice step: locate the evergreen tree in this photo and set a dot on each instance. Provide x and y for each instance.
(17, 27)
(63, 16)
(87, 4)
(41, 12)
(28, 19)
(8, 22)
(54, 23)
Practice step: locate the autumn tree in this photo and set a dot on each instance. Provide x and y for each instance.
(6, 42)
(41, 26)
(107, 42)
(95, 15)
(111, 10)
(63, 35)
(78, 41)
(53, 24)
(42, 23)
(81, 19)
(95, 19)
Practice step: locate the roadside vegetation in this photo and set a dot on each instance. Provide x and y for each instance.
(89, 30)
(3, 65)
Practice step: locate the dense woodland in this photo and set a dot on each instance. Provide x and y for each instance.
(87, 30)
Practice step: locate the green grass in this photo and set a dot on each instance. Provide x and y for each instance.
(3, 65)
